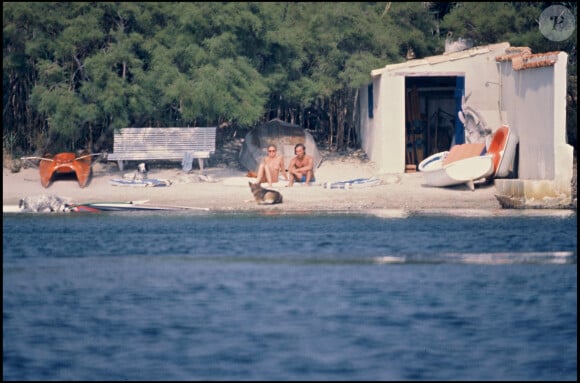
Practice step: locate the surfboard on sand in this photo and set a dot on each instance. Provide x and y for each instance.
(128, 206)
(97, 207)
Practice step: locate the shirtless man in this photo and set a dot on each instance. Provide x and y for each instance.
(271, 167)
(301, 168)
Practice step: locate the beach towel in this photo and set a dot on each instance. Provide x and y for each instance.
(353, 183)
(147, 182)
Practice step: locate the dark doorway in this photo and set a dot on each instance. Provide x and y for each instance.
(432, 103)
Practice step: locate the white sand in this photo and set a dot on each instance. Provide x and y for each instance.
(226, 189)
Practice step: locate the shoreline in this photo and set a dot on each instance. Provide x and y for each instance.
(224, 189)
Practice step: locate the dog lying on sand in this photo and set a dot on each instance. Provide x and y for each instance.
(140, 174)
(44, 202)
(265, 196)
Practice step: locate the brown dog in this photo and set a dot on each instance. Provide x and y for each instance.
(265, 196)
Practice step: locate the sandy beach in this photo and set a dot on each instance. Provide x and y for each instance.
(223, 187)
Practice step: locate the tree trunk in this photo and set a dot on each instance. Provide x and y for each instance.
(331, 113)
(353, 126)
(339, 122)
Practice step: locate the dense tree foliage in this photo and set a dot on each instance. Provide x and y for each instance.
(75, 72)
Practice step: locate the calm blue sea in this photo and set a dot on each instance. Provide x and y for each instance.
(290, 296)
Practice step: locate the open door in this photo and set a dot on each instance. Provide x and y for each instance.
(459, 128)
(432, 102)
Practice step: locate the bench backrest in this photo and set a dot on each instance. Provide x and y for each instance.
(161, 143)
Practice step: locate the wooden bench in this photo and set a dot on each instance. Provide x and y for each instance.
(185, 144)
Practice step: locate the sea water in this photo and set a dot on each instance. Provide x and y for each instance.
(290, 296)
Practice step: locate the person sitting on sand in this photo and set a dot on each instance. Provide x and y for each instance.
(301, 168)
(271, 167)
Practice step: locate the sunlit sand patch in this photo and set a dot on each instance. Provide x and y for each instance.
(11, 209)
(388, 213)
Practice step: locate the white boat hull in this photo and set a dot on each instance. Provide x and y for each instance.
(459, 172)
(507, 155)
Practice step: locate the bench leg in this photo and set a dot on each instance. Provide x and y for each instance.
(200, 162)
(120, 163)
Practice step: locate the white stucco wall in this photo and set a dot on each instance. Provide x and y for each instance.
(535, 100)
(389, 138)
(382, 143)
(564, 153)
(528, 98)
